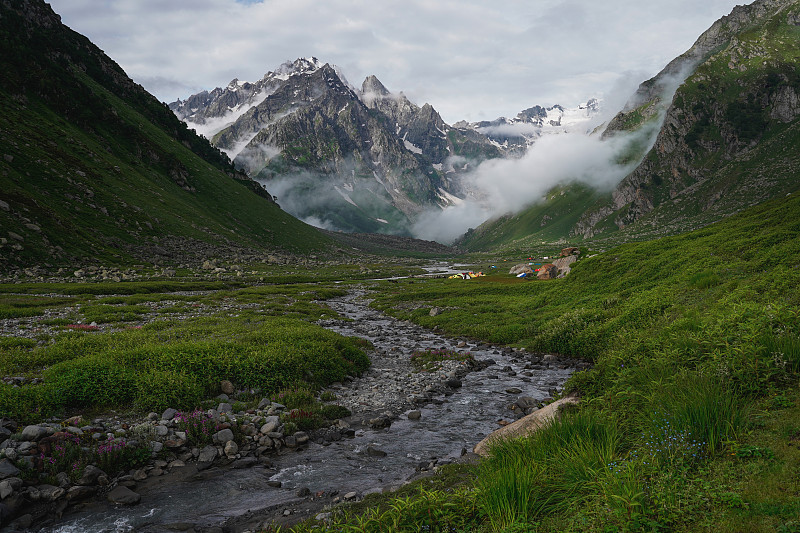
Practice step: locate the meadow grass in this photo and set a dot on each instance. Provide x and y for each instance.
(691, 337)
(260, 338)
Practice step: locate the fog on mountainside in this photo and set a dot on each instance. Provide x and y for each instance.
(511, 184)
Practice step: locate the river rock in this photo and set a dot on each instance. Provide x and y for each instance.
(34, 433)
(49, 493)
(231, 449)
(223, 436)
(414, 415)
(271, 423)
(7, 469)
(380, 422)
(453, 383)
(80, 493)
(524, 426)
(207, 454)
(124, 496)
(244, 462)
(375, 452)
(7, 487)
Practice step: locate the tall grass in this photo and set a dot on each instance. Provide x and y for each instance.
(557, 467)
(696, 413)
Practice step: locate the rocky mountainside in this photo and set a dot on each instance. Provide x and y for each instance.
(728, 115)
(93, 169)
(725, 140)
(357, 160)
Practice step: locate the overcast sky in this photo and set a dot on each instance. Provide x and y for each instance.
(470, 59)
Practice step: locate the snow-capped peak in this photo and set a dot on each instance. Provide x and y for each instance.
(303, 65)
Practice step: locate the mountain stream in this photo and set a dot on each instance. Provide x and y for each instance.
(453, 419)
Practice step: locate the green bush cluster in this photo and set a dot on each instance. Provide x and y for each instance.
(163, 365)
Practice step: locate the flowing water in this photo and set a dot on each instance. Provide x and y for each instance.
(449, 424)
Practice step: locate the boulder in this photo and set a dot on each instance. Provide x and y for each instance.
(124, 496)
(80, 493)
(522, 268)
(525, 426)
(226, 387)
(563, 264)
(231, 449)
(207, 454)
(51, 493)
(223, 436)
(32, 433)
(271, 423)
(90, 475)
(7, 469)
(548, 271)
(570, 251)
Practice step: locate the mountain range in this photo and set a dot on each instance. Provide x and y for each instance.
(357, 159)
(93, 169)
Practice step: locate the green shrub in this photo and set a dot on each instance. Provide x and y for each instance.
(95, 380)
(159, 389)
(333, 412)
(294, 398)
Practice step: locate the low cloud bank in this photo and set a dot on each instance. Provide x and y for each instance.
(510, 185)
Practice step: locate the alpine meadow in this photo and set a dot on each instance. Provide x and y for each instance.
(300, 305)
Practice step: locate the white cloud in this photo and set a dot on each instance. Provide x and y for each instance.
(470, 59)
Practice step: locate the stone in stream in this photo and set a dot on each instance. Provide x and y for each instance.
(453, 383)
(414, 415)
(375, 452)
(124, 496)
(513, 390)
(207, 454)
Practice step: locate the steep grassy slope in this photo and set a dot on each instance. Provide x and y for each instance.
(547, 221)
(729, 135)
(94, 169)
(728, 139)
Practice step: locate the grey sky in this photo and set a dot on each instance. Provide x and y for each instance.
(470, 59)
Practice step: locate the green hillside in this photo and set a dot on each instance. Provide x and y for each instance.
(729, 141)
(94, 169)
(546, 221)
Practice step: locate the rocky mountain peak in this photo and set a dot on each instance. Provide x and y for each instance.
(373, 87)
(301, 65)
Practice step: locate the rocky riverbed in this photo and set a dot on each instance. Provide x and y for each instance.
(404, 422)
